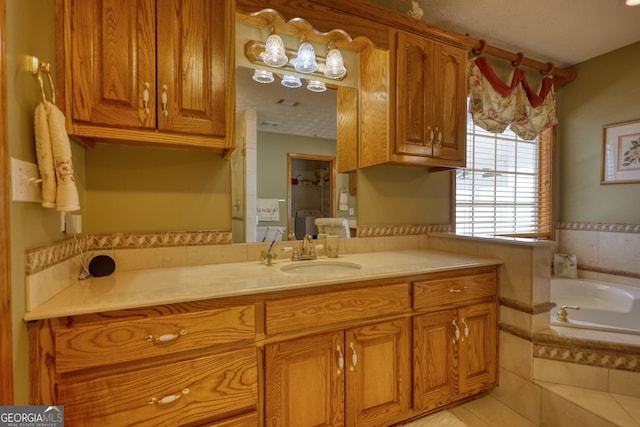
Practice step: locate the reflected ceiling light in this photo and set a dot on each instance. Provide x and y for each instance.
(263, 76)
(305, 61)
(316, 86)
(632, 2)
(274, 52)
(291, 81)
(334, 64)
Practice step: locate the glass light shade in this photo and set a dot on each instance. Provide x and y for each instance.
(305, 62)
(316, 86)
(334, 65)
(263, 76)
(274, 53)
(291, 81)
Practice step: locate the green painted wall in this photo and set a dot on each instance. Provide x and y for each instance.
(606, 91)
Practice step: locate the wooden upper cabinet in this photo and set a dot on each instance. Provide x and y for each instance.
(430, 101)
(148, 71)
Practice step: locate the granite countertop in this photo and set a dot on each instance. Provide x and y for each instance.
(142, 288)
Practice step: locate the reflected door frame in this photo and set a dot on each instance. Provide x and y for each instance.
(332, 183)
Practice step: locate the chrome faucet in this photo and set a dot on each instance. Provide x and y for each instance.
(562, 314)
(306, 252)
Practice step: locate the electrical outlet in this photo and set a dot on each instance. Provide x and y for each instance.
(25, 182)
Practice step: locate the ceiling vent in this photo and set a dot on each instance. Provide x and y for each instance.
(268, 123)
(288, 102)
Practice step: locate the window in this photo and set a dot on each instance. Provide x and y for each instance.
(506, 188)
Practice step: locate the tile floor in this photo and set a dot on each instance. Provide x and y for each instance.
(565, 406)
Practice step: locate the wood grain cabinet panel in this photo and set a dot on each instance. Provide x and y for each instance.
(430, 100)
(147, 71)
(193, 391)
(290, 314)
(442, 293)
(93, 345)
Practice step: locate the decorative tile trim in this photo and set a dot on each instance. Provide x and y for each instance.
(402, 230)
(599, 226)
(602, 359)
(527, 308)
(41, 258)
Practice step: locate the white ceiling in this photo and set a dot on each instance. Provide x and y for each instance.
(565, 32)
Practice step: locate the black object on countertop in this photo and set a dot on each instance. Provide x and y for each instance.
(101, 265)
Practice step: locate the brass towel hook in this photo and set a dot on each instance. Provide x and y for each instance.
(37, 68)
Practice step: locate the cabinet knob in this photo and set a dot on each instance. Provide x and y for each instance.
(165, 100)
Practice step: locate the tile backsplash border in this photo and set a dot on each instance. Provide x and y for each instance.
(41, 258)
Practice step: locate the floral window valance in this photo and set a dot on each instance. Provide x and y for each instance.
(494, 105)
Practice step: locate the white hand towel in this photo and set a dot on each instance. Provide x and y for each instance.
(343, 201)
(268, 209)
(44, 155)
(67, 194)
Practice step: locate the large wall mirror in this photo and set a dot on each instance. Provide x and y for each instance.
(274, 124)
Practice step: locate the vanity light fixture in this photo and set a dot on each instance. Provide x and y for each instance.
(291, 81)
(334, 64)
(263, 76)
(305, 61)
(632, 2)
(316, 86)
(274, 51)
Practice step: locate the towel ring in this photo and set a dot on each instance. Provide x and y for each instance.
(551, 67)
(479, 51)
(38, 68)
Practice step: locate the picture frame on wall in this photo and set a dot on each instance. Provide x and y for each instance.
(621, 153)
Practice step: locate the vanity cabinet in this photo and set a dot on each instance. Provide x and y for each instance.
(454, 340)
(166, 365)
(148, 71)
(355, 376)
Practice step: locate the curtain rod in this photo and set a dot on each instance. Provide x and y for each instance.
(561, 75)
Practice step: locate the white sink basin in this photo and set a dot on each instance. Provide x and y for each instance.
(320, 267)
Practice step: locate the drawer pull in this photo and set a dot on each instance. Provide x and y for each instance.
(166, 337)
(165, 99)
(340, 360)
(167, 399)
(354, 356)
(457, 291)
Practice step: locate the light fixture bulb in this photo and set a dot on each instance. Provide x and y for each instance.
(334, 64)
(632, 2)
(291, 81)
(316, 86)
(274, 53)
(305, 62)
(263, 76)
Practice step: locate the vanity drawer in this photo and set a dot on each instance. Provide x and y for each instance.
(189, 392)
(436, 294)
(87, 346)
(297, 313)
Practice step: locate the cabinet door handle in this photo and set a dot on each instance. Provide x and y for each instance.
(166, 337)
(439, 143)
(457, 291)
(145, 98)
(466, 327)
(431, 135)
(165, 100)
(167, 399)
(457, 332)
(354, 356)
(340, 360)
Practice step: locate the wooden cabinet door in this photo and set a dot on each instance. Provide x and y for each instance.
(414, 95)
(478, 348)
(304, 382)
(378, 373)
(112, 61)
(435, 364)
(449, 98)
(192, 64)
